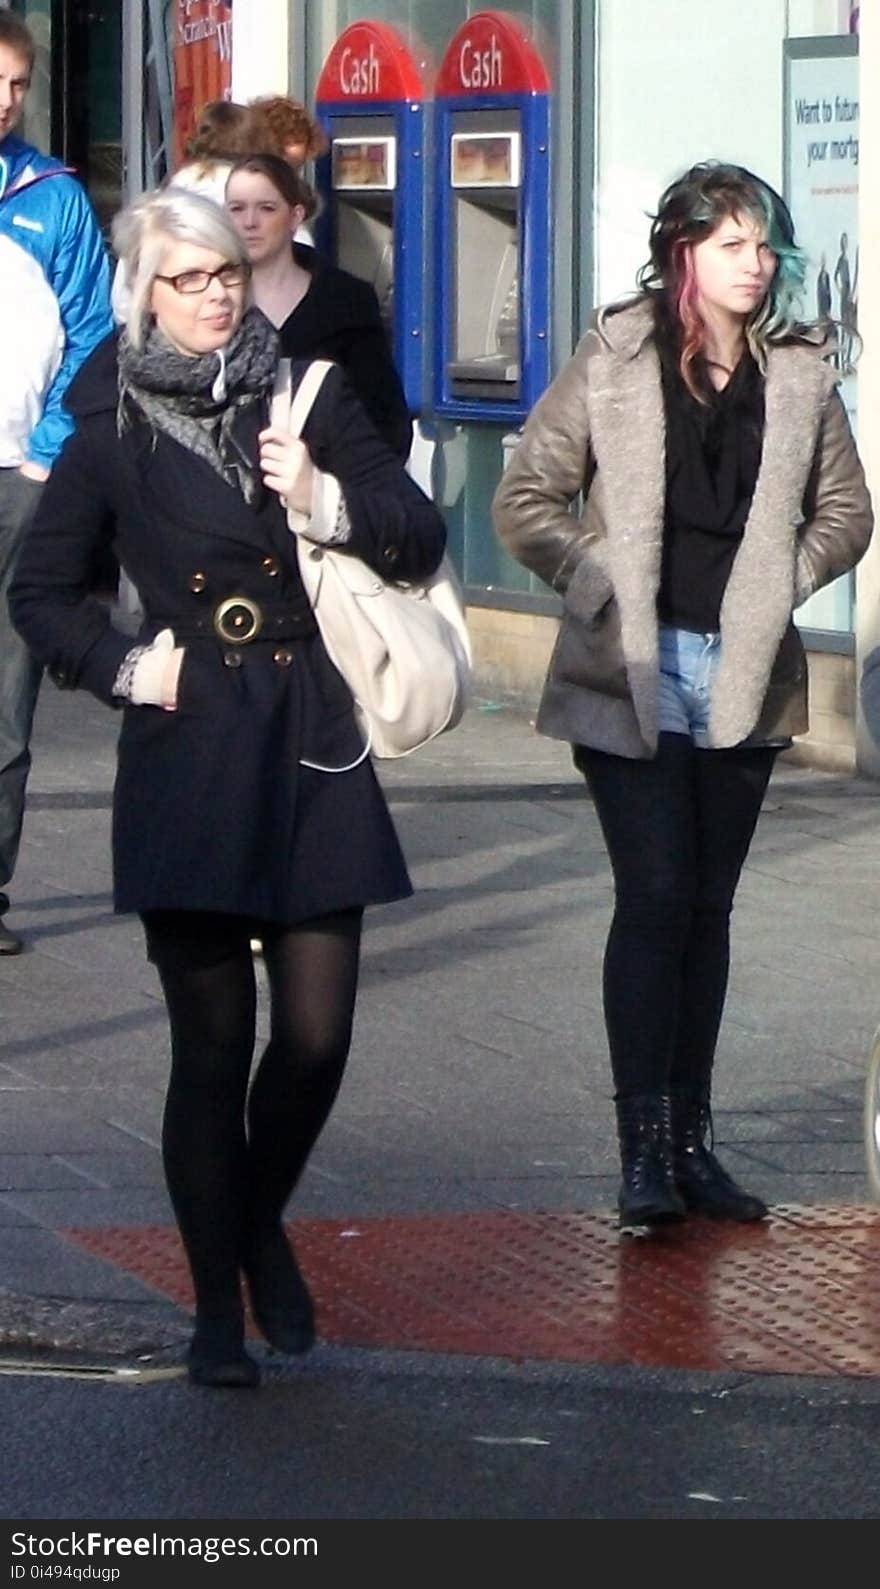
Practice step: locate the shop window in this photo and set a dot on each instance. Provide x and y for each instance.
(74, 107)
(37, 123)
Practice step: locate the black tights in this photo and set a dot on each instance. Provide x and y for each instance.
(231, 1158)
(678, 830)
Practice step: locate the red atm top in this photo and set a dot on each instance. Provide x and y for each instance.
(491, 54)
(369, 62)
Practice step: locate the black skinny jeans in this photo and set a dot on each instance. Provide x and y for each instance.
(677, 829)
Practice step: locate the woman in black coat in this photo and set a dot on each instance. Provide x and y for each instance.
(244, 802)
(318, 310)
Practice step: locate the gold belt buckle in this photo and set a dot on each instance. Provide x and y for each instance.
(237, 620)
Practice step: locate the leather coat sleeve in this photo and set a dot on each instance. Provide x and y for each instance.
(838, 518)
(553, 461)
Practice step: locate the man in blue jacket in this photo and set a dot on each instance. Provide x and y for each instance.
(54, 309)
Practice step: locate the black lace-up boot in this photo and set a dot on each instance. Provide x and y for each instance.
(647, 1194)
(702, 1181)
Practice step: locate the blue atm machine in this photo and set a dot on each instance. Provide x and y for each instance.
(492, 245)
(370, 102)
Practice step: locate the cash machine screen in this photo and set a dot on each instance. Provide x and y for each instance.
(485, 178)
(364, 177)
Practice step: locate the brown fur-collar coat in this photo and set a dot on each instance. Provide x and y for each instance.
(599, 429)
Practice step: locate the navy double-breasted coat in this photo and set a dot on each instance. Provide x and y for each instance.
(215, 807)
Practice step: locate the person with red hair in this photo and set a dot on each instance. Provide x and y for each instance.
(283, 126)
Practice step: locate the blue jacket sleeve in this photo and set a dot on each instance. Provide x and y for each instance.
(79, 276)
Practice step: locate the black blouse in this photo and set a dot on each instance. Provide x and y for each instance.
(713, 454)
(339, 319)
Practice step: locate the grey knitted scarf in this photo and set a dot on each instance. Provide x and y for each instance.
(197, 399)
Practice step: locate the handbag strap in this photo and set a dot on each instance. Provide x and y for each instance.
(290, 413)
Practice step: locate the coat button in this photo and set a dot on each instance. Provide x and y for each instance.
(270, 566)
(231, 659)
(197, 583)
(283, 657)
(391, 554)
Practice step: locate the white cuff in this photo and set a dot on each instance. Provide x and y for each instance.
(328, 522)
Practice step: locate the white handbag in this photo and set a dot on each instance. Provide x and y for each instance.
(403, 649)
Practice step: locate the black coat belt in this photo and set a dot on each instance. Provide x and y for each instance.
(239, 620)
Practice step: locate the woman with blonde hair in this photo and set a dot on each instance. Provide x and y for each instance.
(245, 801)
(219, 137)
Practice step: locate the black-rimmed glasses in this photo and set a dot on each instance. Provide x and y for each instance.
(193, 281)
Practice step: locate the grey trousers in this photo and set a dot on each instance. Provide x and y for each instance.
(19, 675)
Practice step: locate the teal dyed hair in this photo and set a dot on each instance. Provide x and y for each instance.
(689, 211)
(778, 315)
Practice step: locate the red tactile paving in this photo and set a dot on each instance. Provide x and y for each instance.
(799, 1294)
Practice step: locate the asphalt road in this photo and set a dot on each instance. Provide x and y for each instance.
(356, 1435)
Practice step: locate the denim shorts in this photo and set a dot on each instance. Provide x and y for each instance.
(688, 664)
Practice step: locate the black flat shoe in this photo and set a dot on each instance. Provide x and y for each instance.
(216, 1357)
(238, 1373)
(280, 1299)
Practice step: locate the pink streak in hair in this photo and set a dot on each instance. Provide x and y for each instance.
(691, 320)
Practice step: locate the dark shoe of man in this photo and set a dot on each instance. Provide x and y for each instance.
(9, 944)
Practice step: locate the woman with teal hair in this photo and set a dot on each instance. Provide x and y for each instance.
(701, 422)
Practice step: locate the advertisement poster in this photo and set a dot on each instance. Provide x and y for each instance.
(822, 190)
(202, 62)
